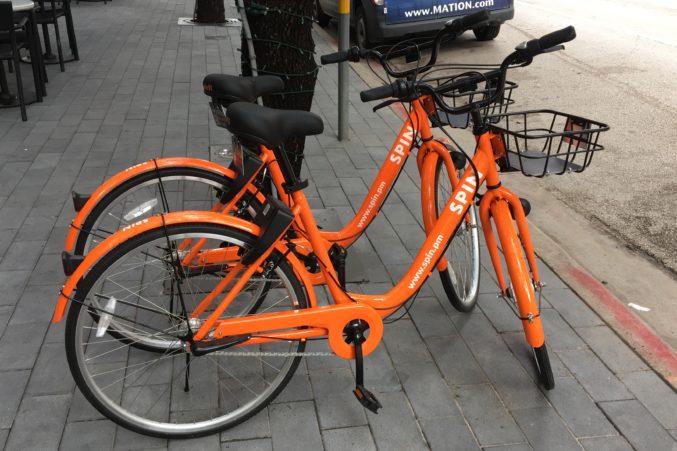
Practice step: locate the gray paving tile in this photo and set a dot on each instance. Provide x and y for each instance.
(22, 255)
(88, 435)
(571, 307)
(610, 348)
(658, 397)
(490, 421)
(544, 429)
(126, 439)
(3, 437)
(51, 374)
(427, 391)
(294, 423)
(455, 361)
(20, 345)
(448, 433)
(507, 375)
(353, 438)
(336, 405)
(404, 344)
(36, 304)
(12, 285)
(598, 381)
(430, 319)
(638, 426)
(559, 334)
(395, 425)
(578, 410)
(256, 427)
(12, 384)
(613, 443)
(208, 443)
(34, 428)
(261, 444)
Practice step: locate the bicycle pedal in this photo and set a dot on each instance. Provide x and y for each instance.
(367, 398)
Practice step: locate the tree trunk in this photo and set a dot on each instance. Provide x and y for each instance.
(283, 44)
(209, 11)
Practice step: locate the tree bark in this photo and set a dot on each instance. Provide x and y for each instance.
(209, 11)
(283, 44)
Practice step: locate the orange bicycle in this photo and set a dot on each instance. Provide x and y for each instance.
(177, 184)
(184, 324)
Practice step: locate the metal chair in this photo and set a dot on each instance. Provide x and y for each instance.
(49, 13)
(9, 51)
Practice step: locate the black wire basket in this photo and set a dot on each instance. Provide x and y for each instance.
(470, 93)
(545, 142)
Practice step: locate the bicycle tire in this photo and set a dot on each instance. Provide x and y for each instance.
(543, 366)
(461, 279)
(181, 415)
(86, 239)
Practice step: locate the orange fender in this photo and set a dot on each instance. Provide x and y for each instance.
(129, 173)
(138, 228)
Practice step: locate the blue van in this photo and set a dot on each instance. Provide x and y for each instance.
(377, 21)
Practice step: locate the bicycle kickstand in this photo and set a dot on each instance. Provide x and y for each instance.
(355, 332)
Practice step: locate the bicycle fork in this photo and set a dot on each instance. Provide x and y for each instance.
(498, 203)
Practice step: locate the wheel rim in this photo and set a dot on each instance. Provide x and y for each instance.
(463, 251)
(145, 389)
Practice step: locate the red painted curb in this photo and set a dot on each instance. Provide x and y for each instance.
(654, 345)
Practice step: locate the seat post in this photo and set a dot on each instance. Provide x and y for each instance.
(292, 182)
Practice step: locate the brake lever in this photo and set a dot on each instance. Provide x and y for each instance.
(385, 104)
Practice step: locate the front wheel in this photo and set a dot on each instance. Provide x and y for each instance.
(461, 278)
(146, 381)
(544, 369)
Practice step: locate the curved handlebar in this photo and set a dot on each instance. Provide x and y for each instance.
(522, 56)
(453, 27)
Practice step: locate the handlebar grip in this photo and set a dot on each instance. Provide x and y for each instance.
(333, 58)
(557, 37)
(535, 47)
(381, 92)
(469, 21)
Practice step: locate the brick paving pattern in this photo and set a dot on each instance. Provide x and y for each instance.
(446, 380)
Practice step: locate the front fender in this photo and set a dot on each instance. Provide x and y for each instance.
(136, 229)
(127, 174)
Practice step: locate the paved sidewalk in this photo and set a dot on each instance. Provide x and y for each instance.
(446, 380)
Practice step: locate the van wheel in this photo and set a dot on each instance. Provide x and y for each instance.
(487, 33)
(322, 18)
(361, 29)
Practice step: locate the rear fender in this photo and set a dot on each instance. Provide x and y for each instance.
(136, 229)
(127, 174)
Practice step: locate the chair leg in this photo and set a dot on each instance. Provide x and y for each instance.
(20, 86)
(48, 45)
(58, 44)
(72, 42)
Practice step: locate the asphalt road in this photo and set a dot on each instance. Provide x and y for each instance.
(620, 70)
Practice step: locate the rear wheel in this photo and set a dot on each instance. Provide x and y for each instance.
(140, 381)
(461, 279)
(487, 33)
